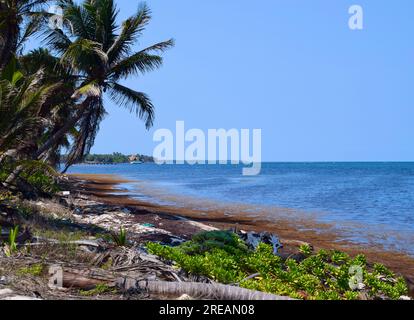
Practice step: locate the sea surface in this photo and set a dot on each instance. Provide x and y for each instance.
(366, 203)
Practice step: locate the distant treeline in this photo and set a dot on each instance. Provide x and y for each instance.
(115, 158)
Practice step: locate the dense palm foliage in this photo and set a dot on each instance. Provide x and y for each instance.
(19, 19)
(53, 99)
(21, 103)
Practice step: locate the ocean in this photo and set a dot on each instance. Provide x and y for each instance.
(367, 203)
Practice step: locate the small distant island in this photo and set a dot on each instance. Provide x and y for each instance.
(116, 158)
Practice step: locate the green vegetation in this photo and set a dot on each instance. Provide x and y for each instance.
(114, 158)
(41, 178)
(35, 270)
(98, 290)
(120, 238)
(107, 158)
(5, 196)
(223, 257)
(306, 249)
(11, 246)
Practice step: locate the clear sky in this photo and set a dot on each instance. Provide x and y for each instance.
(293, 68)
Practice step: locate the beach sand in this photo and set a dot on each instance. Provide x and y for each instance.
(106, 189)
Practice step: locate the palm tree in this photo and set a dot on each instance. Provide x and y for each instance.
(90, 46)
(58, 109)
(19, 19)
(22, 99)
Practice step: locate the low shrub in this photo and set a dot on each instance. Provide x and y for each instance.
(42, 182)
(328, 275)
(37, 174)
(35, 270)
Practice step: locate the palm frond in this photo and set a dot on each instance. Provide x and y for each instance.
(42, 58)
(83, 53)
(105, 18)
(136, 102)
(142, 61)
(131, 29)
(16, 137)
(57, 40)
(80, 20)
(34, 25)
(90, 90)
(31, 5)
(139, 63)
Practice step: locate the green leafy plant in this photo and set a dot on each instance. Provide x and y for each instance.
(5, 196)
(11, 245)
(223, 257)
(206, 241)
(35, 270)
(305, 249)
(40, 175)
(120, 238)
(338, 257)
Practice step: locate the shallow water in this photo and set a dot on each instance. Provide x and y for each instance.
(368, 203)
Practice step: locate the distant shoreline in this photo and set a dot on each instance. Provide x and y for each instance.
(106, 163)
(113, 159)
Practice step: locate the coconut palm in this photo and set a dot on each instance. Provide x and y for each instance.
(19, 19)
(60, 107)
(90, 46)
(22, 100)
(23, 128)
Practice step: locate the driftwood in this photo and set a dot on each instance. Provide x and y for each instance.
(82, 279)
(74, 280)
(200, 290)
(89, 279)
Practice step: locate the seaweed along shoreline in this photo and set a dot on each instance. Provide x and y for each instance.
(107, 189)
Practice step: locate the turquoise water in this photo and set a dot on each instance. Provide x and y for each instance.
(368, 203)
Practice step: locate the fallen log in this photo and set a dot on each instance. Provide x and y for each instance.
(214, 291)
(89, 279)
(80, 279)
(72, 280)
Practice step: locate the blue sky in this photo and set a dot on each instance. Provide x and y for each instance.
(293, 68)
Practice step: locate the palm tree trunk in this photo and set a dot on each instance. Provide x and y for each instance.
(12, 177)
(88, 279)
(54, 139)
(66, 169)
(207, 291)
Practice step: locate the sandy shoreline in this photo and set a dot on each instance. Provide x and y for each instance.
(106, 189)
